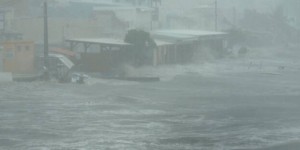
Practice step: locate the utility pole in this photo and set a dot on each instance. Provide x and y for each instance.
(216, 15)
(46, 42)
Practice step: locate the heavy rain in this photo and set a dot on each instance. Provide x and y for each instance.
(149, 74)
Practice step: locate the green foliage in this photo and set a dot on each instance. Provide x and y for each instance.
(140, 38)
(142, 47)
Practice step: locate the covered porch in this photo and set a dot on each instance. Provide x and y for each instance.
(99, 55)
(189, 46)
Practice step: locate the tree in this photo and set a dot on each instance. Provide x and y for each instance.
(142, 47)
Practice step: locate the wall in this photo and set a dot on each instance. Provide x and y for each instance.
(19, 57)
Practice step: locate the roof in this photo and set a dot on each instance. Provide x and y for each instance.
(63, 51)
(104, 41)
(185, 35)
(162, 43)
(109, 8)
(63, 59)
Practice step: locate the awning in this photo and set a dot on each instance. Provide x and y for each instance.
(102, 41)
(65, 52)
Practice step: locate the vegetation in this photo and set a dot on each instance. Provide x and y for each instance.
(142, 46)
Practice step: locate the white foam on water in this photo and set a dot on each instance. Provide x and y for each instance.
(263, 60)
(112, 82)
(99, 129)
(168, 72)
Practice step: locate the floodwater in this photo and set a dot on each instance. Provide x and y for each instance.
(229, 104)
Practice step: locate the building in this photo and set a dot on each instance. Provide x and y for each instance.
(188, 46)
(82, 19)
(121, 18)
(178, 14)
(100, 54)
(173, 47)
(19, 57)
(20, 7)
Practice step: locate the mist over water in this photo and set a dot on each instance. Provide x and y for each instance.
(222, 104)
(229, 75)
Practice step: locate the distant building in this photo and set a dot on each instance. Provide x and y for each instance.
(6, 19)
(121, 18)
(20, 7)
(82, 19)
(178, 14)
(19, 57)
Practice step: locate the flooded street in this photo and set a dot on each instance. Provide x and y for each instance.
(221, 110)
(149, 75)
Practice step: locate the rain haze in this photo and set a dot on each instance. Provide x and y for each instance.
(149, 74)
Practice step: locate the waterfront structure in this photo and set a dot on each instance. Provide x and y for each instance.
(188, 46)
(172, 47)
(99, 54)
(19, 57)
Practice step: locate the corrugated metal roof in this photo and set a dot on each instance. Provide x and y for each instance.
(162, 43)
(117, 42)
(184, 35)
(106, 41)
(188, 33)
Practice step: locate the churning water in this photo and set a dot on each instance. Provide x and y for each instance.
(247, 103)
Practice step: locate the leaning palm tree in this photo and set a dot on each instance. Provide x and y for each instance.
(142, 44)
